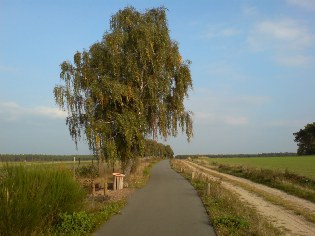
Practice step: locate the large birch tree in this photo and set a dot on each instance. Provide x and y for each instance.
(129, 86)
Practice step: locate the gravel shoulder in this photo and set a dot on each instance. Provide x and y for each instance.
(278, 215)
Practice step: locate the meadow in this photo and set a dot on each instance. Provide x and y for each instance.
(300, 165)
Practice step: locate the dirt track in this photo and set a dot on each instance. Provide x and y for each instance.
(285, 219)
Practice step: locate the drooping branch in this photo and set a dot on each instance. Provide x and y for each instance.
(128, 86)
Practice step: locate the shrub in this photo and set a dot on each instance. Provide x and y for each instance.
(77, 223)
(88, 171)
(31, 197)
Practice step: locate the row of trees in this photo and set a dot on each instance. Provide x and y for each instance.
(155, 149)
(129, 86)
(151, 149)
(42, 157)
(271, 154)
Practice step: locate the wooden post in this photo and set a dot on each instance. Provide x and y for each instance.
(192, 175)
(74, 167)
(105, 188)
(115, 181)
(208, 189)
(93, 188)
(120, 181)
(181, 170)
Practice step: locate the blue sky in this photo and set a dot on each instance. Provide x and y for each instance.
(253, 68)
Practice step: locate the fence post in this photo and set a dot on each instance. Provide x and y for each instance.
(105, 188)
(192, 175)
(93, 188)
(208, 189)
(73, 167)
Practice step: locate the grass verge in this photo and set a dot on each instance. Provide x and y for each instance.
(227, 214)
(83, 223)
(288, 182)
(142, 175)
(306, 213)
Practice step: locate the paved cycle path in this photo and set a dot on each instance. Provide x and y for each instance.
(167, 206)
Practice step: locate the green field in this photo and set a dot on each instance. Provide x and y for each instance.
(300, 165)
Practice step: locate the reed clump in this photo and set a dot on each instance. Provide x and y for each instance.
(33, 197)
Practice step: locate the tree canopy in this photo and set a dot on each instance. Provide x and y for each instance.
(305, 139)
(129, 86)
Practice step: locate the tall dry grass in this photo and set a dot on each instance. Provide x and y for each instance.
(32, 197)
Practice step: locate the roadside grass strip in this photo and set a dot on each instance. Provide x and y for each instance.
(296, 208)
(286, 181)
(227, 214)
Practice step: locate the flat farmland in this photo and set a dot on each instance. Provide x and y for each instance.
(300, 165)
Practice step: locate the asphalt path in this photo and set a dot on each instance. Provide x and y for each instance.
(167, 205)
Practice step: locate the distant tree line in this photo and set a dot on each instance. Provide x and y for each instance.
(42, 157)
(155, 149)
(272, 154)
(151, 149)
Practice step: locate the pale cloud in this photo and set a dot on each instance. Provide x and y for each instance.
(219, 31)
(50, 112)
(306, 4)
(288, 41)
(236, 120)
(294, 123)
(11, 111)
(294, 61)
(229, 32)
(204, 115)
(4, 68)
(249, 10)
(224, 108)
(210, 118)
(283, 34)
(226, 71)
(246, 101)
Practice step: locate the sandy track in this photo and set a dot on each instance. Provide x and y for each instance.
(280, 217)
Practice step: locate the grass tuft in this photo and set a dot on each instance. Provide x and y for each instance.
(33, 197)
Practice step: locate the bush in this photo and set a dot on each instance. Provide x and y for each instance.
(87, 171)
(32, 197)
(77, 223)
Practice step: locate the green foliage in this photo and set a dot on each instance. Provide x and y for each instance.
(231, 222)
(154, 149)
(87, 171)
(83, 223)
(77, 223)
(33, 197)
(129, 86)
(107, 211)
(305, 139)
(289, 182)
